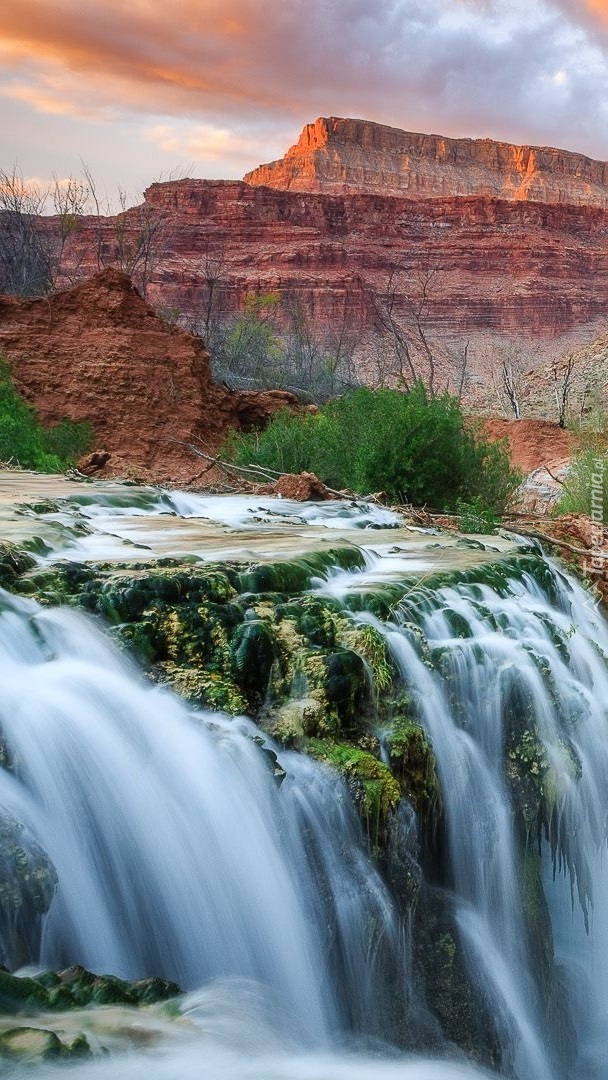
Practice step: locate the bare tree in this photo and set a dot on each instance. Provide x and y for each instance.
(136, 240)
(460, 354)
(25, 258)
(132, 239)
(213, 266)
(562, 384)
(508, 364)
(511, 386)
(99, 211)
(35, 248)
(403, 313)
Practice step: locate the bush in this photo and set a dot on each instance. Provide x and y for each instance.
(412, 447)
(25, 442)
(585, 489)
(475, 516)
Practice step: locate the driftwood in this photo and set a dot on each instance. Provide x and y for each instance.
(535, 534)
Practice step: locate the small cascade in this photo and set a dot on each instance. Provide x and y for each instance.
(176, 852)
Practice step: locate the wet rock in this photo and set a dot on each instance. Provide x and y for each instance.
(93, 463)
(373, 787)
(252, 654)
(27, 886)
(29, 1044)
(294, 721)
(76, 987)
(460, 1005)
(13, 563)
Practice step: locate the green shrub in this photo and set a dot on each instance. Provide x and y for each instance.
(475, 516)
(585, 489)
(25, 442)
(412, 447)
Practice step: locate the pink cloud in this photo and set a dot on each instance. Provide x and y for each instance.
(241, 71)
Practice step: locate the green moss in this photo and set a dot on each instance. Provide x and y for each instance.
(14, 562)
(413, 763)
(375, 790)
(76, 988)
(62, 583)
(252, 655)
(365, 640)
(294, 576)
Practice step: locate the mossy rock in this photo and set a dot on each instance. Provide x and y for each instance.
(252, 655)
(368, 643)
(77, 987)
(27, 885)
(373, 787)
(413, 763)
(32, 1045)
(465, 1013)
(14, 562)
(41, 507)
(295, 721)
(62, 583)
(347, 687)
(320, 620)
(296, 575)
(125, 599)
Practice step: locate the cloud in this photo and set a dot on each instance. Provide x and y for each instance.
(204, 141)
(225, 80)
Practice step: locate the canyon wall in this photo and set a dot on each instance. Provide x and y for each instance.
(513, 267)
(519, 235)
(339, 156)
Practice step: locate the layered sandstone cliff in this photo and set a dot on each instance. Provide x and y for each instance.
(517, 268)
(339, 156)
(336, 222)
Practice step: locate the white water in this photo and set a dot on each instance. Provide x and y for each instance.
(517, 642)
(176, 853)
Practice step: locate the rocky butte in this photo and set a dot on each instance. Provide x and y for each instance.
(339, 157)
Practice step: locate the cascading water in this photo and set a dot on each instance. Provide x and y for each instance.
(479, 661)
(175, 851)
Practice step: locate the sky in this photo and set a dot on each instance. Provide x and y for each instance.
(142, 90)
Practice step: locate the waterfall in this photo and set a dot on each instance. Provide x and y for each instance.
(180, 850)
(176, 853)
(525, 652)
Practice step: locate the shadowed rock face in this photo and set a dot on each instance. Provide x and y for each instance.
(99, 353)
(357, 156)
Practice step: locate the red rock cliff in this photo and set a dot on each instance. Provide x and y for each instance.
(340, 156)
(363, 198)
(515, 267)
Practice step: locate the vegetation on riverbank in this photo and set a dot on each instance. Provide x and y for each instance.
(24, 441)
(412, 447)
